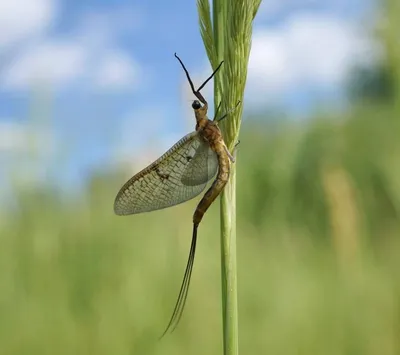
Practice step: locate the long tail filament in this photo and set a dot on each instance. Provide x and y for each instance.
(180, 303)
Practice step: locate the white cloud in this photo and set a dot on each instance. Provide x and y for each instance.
(307, 49)
(13, 137)
(150, 121)
(20, 19)
(105, 26)
(89, 57)
(117, 70)
(275, 8)
(272, 7)
(21, 138)
(56, 63)
(63, 63)
(27, 150)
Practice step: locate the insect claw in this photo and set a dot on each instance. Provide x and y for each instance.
(235, 151)
(230, 156)
(228, 112)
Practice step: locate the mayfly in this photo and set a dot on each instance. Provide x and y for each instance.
(179, 175)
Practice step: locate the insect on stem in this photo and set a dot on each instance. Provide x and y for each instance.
(210, 133)
(179, 175)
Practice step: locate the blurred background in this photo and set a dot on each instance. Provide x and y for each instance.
(90, 93)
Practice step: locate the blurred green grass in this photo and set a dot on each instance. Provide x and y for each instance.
(318, 254)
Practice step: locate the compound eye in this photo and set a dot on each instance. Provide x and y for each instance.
(196, 105)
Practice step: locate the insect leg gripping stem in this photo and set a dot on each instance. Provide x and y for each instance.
(228, 112)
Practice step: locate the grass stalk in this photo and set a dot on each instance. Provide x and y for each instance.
(228, 37)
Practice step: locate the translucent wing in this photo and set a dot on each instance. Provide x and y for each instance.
(177, 176)
(201, 168)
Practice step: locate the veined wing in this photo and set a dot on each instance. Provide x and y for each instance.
(177, 176)
(201, 168)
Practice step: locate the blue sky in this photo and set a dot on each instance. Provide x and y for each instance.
(94, 84)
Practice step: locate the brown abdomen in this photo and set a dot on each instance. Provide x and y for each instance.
(216, 188)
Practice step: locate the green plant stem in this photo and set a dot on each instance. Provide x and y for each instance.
(228, 38)
(228, 266)
(227, 207)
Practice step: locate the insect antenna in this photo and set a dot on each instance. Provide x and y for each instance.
(197, 92)
(180, 303)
